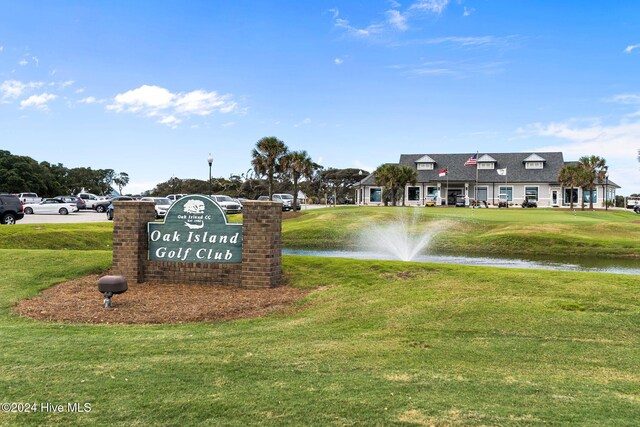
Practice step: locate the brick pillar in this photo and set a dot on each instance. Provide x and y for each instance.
(130, 242)
(261, 244)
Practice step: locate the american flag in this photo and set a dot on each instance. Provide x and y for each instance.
(473, 160)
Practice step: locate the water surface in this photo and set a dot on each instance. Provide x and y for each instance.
(599, 265)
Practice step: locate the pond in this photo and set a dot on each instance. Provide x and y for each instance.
(582, 264)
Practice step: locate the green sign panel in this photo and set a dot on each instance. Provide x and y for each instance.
(195, 229)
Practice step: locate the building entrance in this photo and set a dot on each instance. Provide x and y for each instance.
(451, 196)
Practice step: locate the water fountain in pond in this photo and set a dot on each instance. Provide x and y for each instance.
(404, 238)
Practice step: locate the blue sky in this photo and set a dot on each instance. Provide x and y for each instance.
(151, 87)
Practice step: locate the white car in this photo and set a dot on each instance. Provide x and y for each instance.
(227, 204)
(162, 205)
(51, 206)
(174, 197)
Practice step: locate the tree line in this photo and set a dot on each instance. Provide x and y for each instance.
(20, 174)
(274, 169)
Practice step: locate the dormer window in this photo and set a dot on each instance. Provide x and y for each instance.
(425, 163)
(534, 165)
(486, 162)
(534, 162)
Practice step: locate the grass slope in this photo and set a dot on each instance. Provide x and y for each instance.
(376, 343)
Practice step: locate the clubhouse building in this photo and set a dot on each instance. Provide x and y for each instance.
(486, 176)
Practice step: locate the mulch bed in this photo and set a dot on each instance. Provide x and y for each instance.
(79, 301)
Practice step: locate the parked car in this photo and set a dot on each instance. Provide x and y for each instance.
(91, 200)
(110, 208)
(101, 205)
(10, 209)
(162, 205)
(430, 201)
(79, 202)
(636, 208)
(286, 200)
(174, 197)
(530, 202)
(50, 206)
(503, 200)
(227, 204)
(263, 198)
(29, 198)
(461, 201)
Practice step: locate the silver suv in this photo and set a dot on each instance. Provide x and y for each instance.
(286, 200)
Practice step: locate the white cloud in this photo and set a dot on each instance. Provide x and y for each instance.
(354, 31)
(432, 6)
(38, 102)
(91, 100)
(397, 19)
(459, 69)
(306, 121)
(359, 32)
(338, 61)
(23, 62)
(228, 124)
(468, 11)
(145, 98)
(631, 47)
(616, 142)
(626, 98)
(1, 48)
(204, 103)
(155, 101)
(471, 41)
(66, 83)
(11, 89)
(171, 121)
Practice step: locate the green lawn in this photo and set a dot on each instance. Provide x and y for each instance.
(478, 231)
(374, 343)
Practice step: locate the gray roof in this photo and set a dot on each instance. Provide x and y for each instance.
(514, 162)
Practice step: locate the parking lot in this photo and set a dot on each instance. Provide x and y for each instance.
(74, 217)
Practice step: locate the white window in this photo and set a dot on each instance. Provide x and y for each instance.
(534, 165)
(486, 165)
(425, 166)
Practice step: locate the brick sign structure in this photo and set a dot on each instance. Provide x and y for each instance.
(195, 244)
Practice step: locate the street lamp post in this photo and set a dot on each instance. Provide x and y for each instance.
(210, 161)
(359, 189)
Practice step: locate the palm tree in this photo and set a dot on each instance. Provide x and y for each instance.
(393, 178)
(406, 175)
(572, 176)
(594, 168)
(266, 158)
(298, 165)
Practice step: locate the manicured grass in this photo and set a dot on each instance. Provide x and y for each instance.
(375, 343)
(85, 236)
(478, 231)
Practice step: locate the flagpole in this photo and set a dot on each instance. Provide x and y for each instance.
(475, 191)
